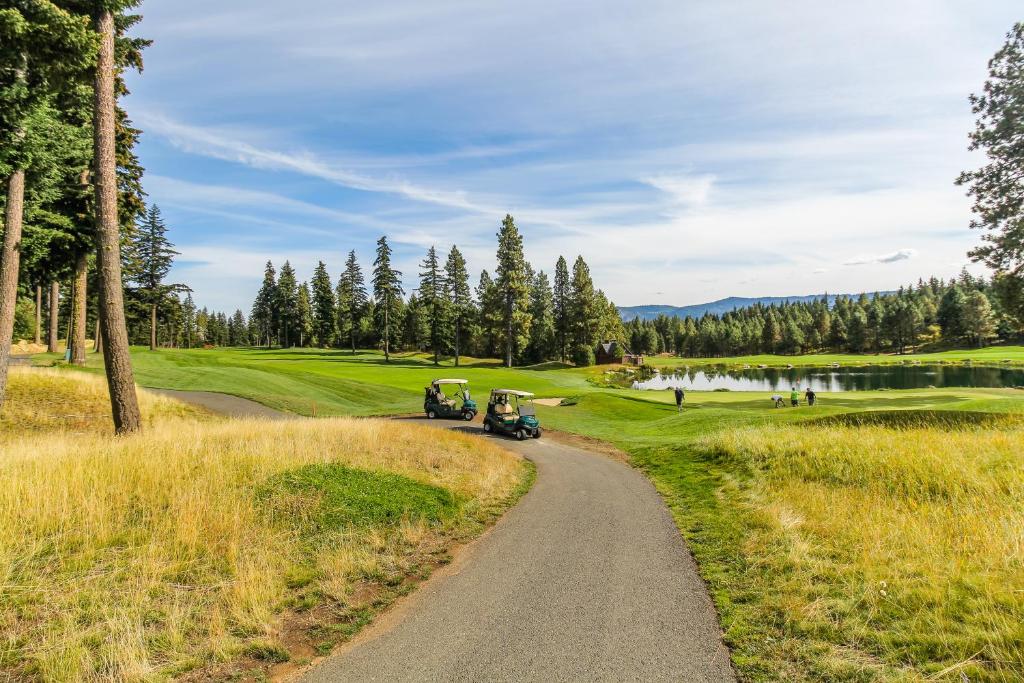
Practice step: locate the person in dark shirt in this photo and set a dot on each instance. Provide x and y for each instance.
(680, 397)
(810, 396)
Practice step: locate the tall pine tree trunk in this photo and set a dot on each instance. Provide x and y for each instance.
(10, 256)
(117, 353)
(39, 314)
(98, 342)
(152, 327)
(387, 330)
(53, 301)
(79, 309)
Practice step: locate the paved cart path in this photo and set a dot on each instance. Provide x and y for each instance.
(587, 578)
(224, 404)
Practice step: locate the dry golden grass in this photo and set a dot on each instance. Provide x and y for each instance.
(132, 558)
(49, 400)
(889, 553)
(25, 347)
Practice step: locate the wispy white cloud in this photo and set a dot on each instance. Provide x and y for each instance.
(218, 145)
(893, 257)
(685, 190)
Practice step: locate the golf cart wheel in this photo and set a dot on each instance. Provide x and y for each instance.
(487, 427)
(468, 416)
(431, 414)
(536, 433)
(521, 434)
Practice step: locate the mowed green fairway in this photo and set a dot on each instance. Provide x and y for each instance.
(312, 381)
(876, 536)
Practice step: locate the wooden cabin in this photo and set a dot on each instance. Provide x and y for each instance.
(612, 352)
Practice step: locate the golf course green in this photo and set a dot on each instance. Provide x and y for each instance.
(874, 536)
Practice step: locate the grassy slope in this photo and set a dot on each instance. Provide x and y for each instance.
(774, 601)
(202, 541)
(715, 501)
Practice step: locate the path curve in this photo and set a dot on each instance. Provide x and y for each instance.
(587, 578)
(224, 404)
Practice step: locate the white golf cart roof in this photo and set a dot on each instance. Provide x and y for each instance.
(513, 392)
(450, 381)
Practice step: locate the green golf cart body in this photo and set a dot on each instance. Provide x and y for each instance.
(511, 413)
(458, 406)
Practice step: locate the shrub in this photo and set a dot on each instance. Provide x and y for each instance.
(583, 356)
(24, 319)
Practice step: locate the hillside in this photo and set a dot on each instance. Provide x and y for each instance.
(650, 312)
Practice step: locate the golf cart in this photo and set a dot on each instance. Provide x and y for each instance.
(437, 404)
(511, 413)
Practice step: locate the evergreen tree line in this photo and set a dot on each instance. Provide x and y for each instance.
(519, 314)
(964, 312)
(72, 184)
(155, 314)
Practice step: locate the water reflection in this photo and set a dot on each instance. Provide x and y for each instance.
(837, 379)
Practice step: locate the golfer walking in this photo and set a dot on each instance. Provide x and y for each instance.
(680, 397)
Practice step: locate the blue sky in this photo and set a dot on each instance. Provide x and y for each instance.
(688, 150)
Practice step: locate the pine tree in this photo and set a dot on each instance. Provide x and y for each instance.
(902, 323)
(513, 286)
(542, 311)
(876, 319)
(951, 314)
(857, 329)
(489, 319)
(262, 318)
(415, 328)
(387, 293)
(147, 261)
(837, 333)
(583, 309)
(998, 186)
(456, 281)
(609, 321)
(287, 305)
(304, 315)
(561, 304)
(432, 301)
(324, 312)
(978, 320)
(108, 21)
(352, 300)
(41, 47)
(240, 336)
(188, 310)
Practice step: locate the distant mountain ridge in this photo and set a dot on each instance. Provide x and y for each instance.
(650, 312)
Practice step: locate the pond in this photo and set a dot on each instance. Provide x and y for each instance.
(838, 379)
